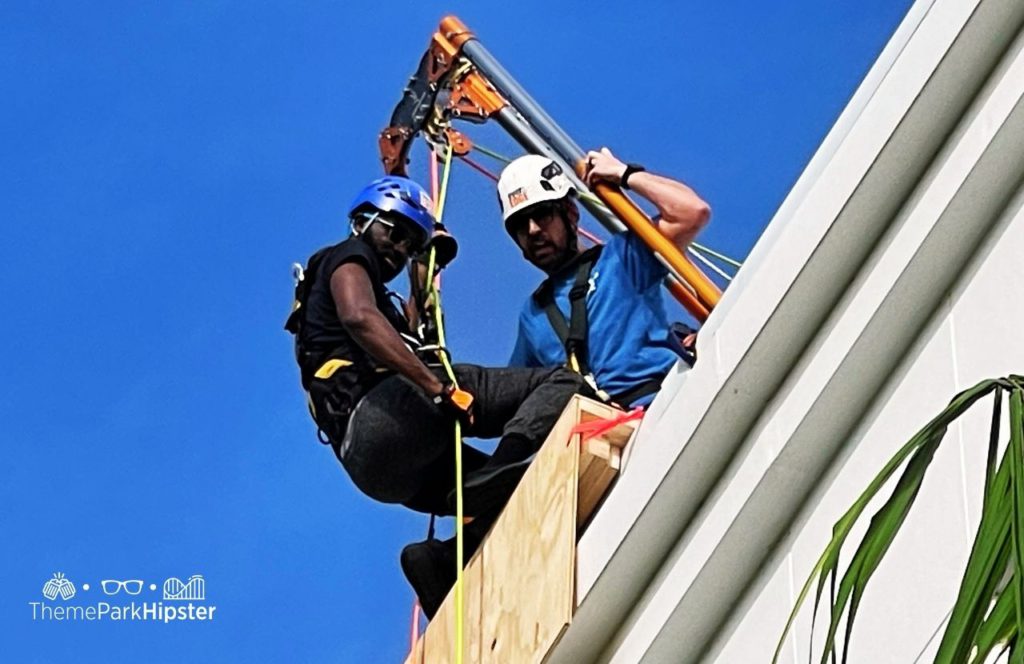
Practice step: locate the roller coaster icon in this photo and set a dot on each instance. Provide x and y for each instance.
(193, 589)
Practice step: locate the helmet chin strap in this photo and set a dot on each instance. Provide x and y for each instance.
(572, 242)
(570, 253)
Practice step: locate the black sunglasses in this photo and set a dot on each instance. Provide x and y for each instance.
(542, 211)
(400, 232)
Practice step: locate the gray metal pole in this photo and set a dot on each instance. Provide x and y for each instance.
(521, 99)
(537, 131)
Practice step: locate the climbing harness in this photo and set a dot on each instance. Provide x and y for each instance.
(573, 334)
(334, 378)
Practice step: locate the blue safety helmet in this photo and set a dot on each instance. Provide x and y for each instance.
(396, 195)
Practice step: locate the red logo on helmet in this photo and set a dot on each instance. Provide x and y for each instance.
(516, 197)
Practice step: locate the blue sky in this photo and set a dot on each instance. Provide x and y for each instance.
(165, 163)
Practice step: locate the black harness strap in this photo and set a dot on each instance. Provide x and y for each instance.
(572, 333)
(555, 316)
(642, 390)
(576, 341)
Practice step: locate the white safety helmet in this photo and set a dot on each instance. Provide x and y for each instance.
(529, 180)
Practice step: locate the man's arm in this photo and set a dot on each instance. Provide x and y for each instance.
(683, 212)
(357, 311)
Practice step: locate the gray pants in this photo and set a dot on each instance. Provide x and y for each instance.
(400, 448)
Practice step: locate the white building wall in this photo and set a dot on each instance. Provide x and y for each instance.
(971, 338)
(886, 283)
(953, 196)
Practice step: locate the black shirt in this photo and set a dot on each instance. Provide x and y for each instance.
(323, 334)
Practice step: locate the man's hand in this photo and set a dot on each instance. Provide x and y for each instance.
(603, 166)
(682, 213)
(455, 402)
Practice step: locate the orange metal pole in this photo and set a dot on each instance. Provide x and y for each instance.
(625, 209)
(687, 299)
(477, 91)
(454, 31)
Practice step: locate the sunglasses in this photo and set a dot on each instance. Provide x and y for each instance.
(543, 211)
(403, 233)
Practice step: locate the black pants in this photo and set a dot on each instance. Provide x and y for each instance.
(400, 448)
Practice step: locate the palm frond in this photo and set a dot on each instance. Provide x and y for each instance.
(988, 613)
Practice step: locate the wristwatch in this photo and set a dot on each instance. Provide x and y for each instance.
(630, 169)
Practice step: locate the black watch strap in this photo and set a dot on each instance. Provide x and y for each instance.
(630, 169)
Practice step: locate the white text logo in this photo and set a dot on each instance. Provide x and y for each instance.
(174, 589)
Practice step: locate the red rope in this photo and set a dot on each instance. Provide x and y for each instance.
(433, 176)
(478, 167)
(588, 235)
(414, 630)
(595, 428)
(414, 634)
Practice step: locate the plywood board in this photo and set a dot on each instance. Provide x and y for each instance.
(440, 638)
(519, 589)
(600, 458)
(595, 478)
(529, 587)
(474, 607)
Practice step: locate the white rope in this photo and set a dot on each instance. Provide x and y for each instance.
(709, 264)
(722, 257)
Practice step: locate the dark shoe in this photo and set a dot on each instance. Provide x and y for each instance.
(430, 568)
(490, 487)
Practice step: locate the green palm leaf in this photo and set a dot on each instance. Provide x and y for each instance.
(997, 628)
(984, 616)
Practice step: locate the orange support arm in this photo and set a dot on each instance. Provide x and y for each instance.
(705, 293)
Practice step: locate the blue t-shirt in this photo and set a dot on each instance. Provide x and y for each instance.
(628, 327)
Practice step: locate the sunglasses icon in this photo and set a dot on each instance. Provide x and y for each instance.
(113, 586)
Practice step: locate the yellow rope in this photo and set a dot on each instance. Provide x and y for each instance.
(444, 183)
(435, 293)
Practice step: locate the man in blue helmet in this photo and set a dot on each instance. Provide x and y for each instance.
(386, 411)
(599, 311)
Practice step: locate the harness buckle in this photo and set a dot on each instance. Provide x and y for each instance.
(579, 291)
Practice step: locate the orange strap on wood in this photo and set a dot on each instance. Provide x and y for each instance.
(595, 428)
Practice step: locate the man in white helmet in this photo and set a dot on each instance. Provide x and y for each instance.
(599, 311)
